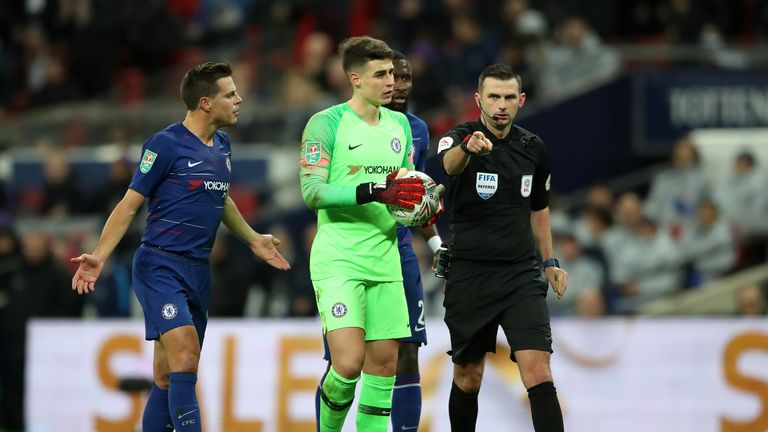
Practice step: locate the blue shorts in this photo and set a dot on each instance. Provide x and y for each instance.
(173, 291)
(414, 297)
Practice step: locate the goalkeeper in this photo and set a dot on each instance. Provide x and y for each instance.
(352, 157)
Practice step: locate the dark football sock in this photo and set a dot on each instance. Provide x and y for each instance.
(545, 408)
(462, 410)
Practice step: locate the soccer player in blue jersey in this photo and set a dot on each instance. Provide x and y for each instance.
(184, 176)
(406, 396)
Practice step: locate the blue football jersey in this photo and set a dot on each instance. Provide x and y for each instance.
(185, 183)
(420, 134)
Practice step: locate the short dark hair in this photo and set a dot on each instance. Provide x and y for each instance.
(600, 213)
(200, 81)
(746, 156)
(397, 55)
(499, 71)
(359, 50)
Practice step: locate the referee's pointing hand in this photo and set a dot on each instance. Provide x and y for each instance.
(479, 144)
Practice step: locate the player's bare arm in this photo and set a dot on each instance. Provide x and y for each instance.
(542, 233)
(263, 246)
(90, 265)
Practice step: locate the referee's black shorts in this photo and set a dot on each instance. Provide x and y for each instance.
(480, 297)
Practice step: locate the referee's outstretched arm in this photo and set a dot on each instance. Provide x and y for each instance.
(457, 158)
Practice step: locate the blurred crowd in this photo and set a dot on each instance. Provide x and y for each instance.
(55, 51)
(625, 250)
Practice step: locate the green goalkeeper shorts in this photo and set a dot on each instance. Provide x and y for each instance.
(379, 308)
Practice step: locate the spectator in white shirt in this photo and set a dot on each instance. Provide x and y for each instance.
(708, 245)
(677, 191)
(743, 196)
(584, 274)
(647, 267)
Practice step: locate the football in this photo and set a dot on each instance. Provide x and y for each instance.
(430, 205)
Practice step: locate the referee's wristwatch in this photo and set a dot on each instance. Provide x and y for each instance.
(552, 262)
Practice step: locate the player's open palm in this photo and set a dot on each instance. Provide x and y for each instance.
(265, 247)
(84, 280)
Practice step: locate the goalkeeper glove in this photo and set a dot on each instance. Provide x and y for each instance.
(393, 190)
(440, 190)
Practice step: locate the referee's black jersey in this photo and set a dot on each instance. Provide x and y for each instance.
(492, 199)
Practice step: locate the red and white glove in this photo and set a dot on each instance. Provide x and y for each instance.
(393, 190)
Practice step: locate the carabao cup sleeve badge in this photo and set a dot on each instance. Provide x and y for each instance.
(147, 160)
(312, 152)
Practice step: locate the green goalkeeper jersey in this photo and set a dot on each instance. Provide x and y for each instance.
(338, 152)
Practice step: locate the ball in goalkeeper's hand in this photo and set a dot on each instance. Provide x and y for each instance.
(431, 204)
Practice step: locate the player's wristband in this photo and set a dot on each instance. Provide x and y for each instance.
(364, 193)
(552, 262)
(434, 243)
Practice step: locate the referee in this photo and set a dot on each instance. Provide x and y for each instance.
(500, 181)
